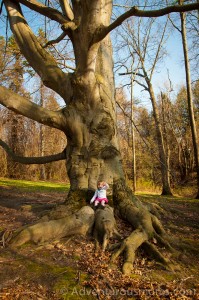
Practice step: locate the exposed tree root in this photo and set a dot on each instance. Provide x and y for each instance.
(78, 223)
(104, 227)
(157, 225)
(145, 224)
(147, 229)
(155, 209)
(151, 250)
(129, 247)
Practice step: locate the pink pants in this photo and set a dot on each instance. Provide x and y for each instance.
(101, 200)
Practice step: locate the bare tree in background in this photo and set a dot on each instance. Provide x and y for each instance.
(148, 45)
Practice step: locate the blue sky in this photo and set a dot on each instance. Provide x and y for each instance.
(173, 63)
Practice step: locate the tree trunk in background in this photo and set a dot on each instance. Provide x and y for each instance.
(166, 135)
(16, 123)
(15, 141)
(164, 160)
(41, 133)
(189, 96)
(134, 175)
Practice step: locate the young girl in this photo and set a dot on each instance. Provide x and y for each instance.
(100, 194)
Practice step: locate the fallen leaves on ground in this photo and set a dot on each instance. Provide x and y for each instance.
(93, 274)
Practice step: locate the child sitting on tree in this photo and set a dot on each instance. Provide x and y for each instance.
(100, 194)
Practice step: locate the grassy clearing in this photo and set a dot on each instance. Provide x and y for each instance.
(155, 197)
(35, 186)
(188, 190)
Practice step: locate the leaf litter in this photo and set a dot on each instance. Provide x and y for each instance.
(94, 276)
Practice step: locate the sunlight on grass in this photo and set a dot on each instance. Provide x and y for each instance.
(157, 197)
(35, 186)
(181, 192)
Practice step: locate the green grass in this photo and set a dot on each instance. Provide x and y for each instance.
(35, 186)
(153, 197)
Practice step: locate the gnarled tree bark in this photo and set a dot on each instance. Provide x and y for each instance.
(104, 227)
(79, 223)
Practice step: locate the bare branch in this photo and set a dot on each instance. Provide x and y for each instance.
(147, 143)
(33, 160)
(56, 41)
(1, 7)
(174, 25)
(134, 73)
(170, 82)
(146, 38)
(24, 107)
(141, 84)
(134, 11)
(159, 49)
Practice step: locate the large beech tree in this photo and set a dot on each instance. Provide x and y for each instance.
(88, 121)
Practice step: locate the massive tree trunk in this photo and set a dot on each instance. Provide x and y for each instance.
(89, 122)
(92, 149)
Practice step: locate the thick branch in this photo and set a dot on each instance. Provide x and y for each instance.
(46, 11)
(66, 8)
(33, 160)
(158, 49)
(52, 13)
(40, 60)
(134, 11)
(31, 110)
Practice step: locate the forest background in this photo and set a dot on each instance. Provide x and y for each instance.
(158, 44)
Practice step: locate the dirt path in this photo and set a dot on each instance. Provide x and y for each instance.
(69, 269)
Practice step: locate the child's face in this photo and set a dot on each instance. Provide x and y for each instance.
(100, 185)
